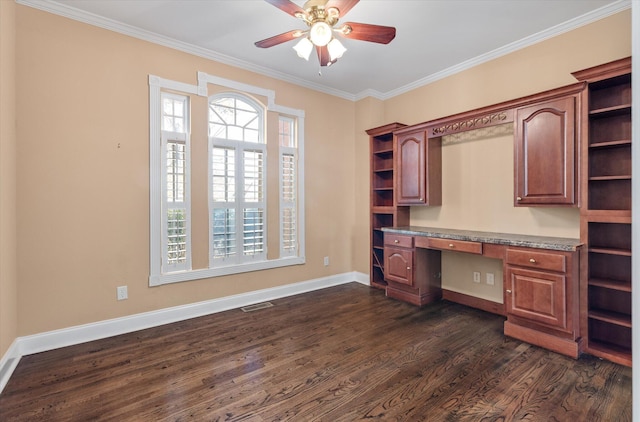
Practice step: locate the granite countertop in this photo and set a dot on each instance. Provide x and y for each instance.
(509, 239)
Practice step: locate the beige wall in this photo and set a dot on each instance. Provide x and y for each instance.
(83, 175)
(8, 278)
(369, 114)
(477, 179)
(82, 202)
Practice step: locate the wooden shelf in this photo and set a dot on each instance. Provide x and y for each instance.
(607, 178)
(611, 111)
(609, 144)
(606, 212)
(611, 251)
(622, 286)
(609, 317)
(383, 211)
(384, 151)
(607, 216)
(609, 351)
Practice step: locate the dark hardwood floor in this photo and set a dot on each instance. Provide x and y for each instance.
(344, 353)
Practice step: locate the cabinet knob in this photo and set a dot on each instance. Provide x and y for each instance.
(451, 245)
(422, 199)
(533, 261)
(395, 241)
(519, 198)
(509, 291)
(408, 268)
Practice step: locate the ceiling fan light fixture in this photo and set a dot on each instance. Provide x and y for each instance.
(304, 48)
(320, 33)
(336, 49)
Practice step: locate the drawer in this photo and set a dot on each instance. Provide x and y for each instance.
(543, 260)
(398, 240)
(456, 245)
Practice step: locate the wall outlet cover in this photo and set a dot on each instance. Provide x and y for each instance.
(491, 279)
(122, 292)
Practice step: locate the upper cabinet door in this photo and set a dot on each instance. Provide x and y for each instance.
(545, 153)
(419, 166)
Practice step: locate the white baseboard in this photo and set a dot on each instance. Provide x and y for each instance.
(8, 363)
(50, 340)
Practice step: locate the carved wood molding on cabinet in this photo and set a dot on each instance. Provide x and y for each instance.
(496, 114)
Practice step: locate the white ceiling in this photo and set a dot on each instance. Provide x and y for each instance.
(434, 37)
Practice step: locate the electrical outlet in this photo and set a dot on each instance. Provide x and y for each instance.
(122, 292)
(476, 276)
(490, 279)
(326, 261)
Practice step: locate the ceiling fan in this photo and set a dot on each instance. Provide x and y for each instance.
(321, 16)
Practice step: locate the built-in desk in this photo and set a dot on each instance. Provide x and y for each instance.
(541, 278)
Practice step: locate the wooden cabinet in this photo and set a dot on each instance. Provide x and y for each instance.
(545, 151)
(412, 274)
(456, 245)
(384, 212)
(606, 219)
(399, 261)
(419, 164)
(542, 298)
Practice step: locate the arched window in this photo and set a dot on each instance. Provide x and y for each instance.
(237, 201)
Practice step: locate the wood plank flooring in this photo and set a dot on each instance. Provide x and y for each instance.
(345, 353)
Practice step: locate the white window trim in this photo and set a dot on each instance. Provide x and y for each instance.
(156, 84)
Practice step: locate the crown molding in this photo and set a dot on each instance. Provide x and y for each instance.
(152, 37)
(116, 26)
(554, 31)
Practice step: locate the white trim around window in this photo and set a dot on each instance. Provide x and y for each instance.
(156, 275)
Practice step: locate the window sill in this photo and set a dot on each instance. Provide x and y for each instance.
(179, 276)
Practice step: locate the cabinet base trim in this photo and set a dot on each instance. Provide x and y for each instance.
(413, 298)
(565, 347)
(474, 302)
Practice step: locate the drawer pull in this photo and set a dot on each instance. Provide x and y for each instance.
(395, 241)
(519, 198)
(509, 291)
(533, 261)
(451, 245)
(408, 268)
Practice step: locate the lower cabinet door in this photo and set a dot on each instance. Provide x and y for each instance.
(537, 296)
(398, 265)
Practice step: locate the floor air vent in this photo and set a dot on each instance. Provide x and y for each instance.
(256, 306)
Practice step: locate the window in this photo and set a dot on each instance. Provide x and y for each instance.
(288, 186)
(175, 184)
(229, 174)
(237, 188)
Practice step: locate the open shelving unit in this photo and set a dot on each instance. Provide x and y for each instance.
(606, 215)
(384, 212)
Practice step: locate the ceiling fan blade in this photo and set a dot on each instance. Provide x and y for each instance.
(366, 32)
(279, 39)
(324, 57)
(287, 6)
(342, 5)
